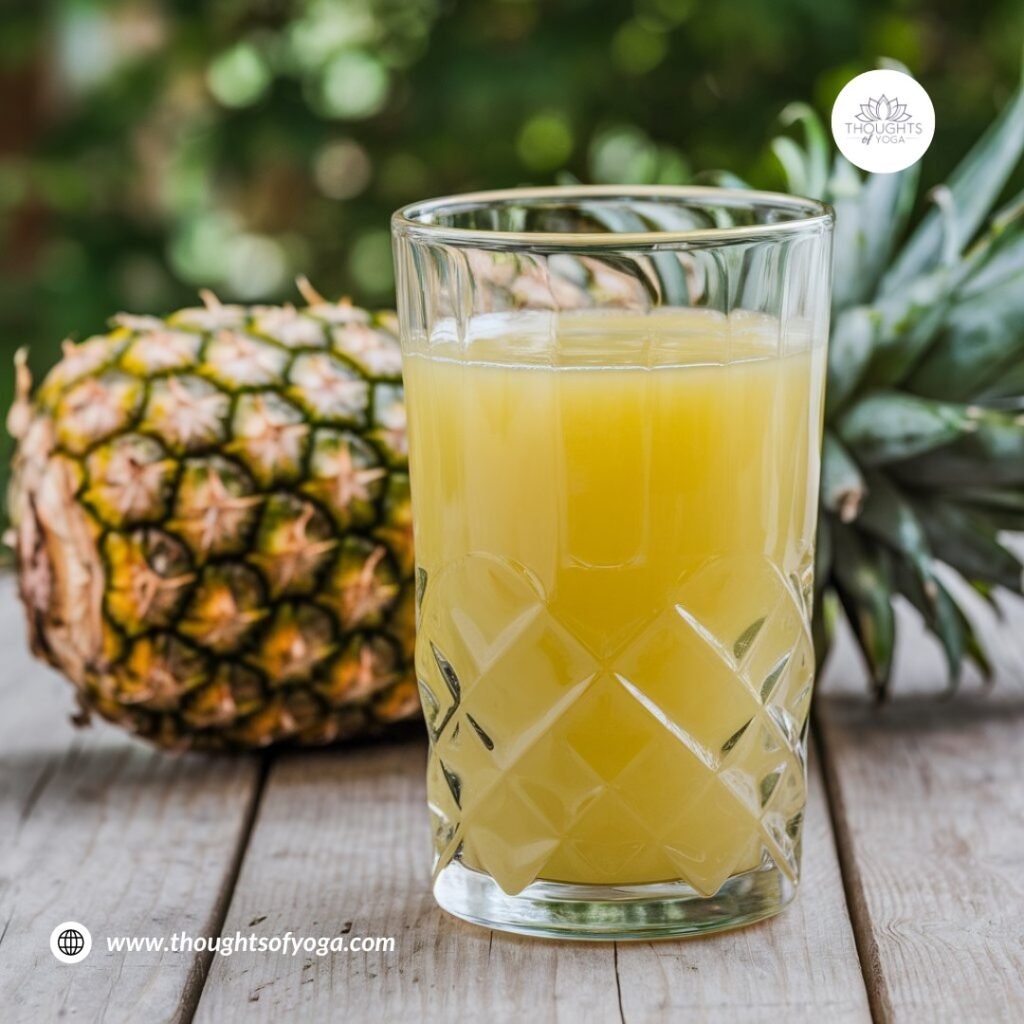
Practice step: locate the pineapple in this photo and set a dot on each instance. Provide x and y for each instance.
(924, 437)
(212, 524)
(211, 512)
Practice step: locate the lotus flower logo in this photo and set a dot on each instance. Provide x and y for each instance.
(888, 108)
(881, 112)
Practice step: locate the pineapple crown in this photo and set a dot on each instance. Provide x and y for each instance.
(923, 460)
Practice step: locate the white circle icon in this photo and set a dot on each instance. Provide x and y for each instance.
(883, 121)
(70, 942)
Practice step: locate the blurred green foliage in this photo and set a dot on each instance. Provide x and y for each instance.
(149, 148)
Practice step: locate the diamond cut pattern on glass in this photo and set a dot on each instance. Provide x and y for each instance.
(677, 755)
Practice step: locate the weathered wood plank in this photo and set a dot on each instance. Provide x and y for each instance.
(341, 842)
(929, 805)
(98, 828)
(801, 966)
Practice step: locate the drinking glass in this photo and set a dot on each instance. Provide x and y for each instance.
(615, 411)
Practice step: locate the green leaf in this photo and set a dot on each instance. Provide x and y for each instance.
(987, 592)
(956, 634)
(806, 169)
(1008, 389)
(940, 613)
(890, 517)
(908, 322)
(863, 581)
(990, 454)
(868, 223)
(850, 347)
(981, 338)
(823, 627)
(823, 552)
(1010, 500)
(944, 617)
(673, 288)
(982, 335)
(842, 485)
(720, 179)
(1003, 510)
(996, 257)
(887, 426)
(976, 650)
(974, 186)
(967, 543)
(794, 164)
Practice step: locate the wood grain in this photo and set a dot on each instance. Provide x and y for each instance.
(340, 845)
(928, 799)
(97, 828)
(361, 864)
(801, 966)
(926, 795)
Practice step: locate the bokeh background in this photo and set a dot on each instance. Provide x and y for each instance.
(149, 148)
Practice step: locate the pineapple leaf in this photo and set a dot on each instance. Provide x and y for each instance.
(823, 552)
(991, 454)
(826, 607)
(670, 270)
(1004, 510)
(720, 179)
(823, 627)
(974, 186)
(842, 485)
(863, 580)
(952, 244)
(964, 540)
(940, 613)
(849, 352)
(1008, 390)
(890, 518)
(794, 164)
(907, 324)
(980, 339)
(670, 278)
(806, 168)
(956, 634)
(996, 258)
(987, 592)
(996, 519)
(868, 223)
(976, 650)
(888, 426)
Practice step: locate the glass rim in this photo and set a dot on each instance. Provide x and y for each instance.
(414, 221)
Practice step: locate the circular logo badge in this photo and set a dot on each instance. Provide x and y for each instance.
(70, 942)
(883, 121)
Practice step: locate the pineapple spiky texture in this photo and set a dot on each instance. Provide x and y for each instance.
(212, 524)
(923, 462)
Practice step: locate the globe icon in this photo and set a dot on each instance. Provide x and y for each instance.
(71, 942)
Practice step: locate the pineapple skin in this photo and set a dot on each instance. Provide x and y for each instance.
(212, 525)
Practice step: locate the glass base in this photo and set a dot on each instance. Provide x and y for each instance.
(658, 911)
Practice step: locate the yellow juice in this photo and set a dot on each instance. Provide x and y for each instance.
(614, 549)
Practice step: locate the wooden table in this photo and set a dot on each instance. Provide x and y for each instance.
(911, 908)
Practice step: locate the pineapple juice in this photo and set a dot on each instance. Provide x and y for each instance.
(614, 538)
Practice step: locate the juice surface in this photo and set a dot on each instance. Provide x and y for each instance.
(614, 537)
